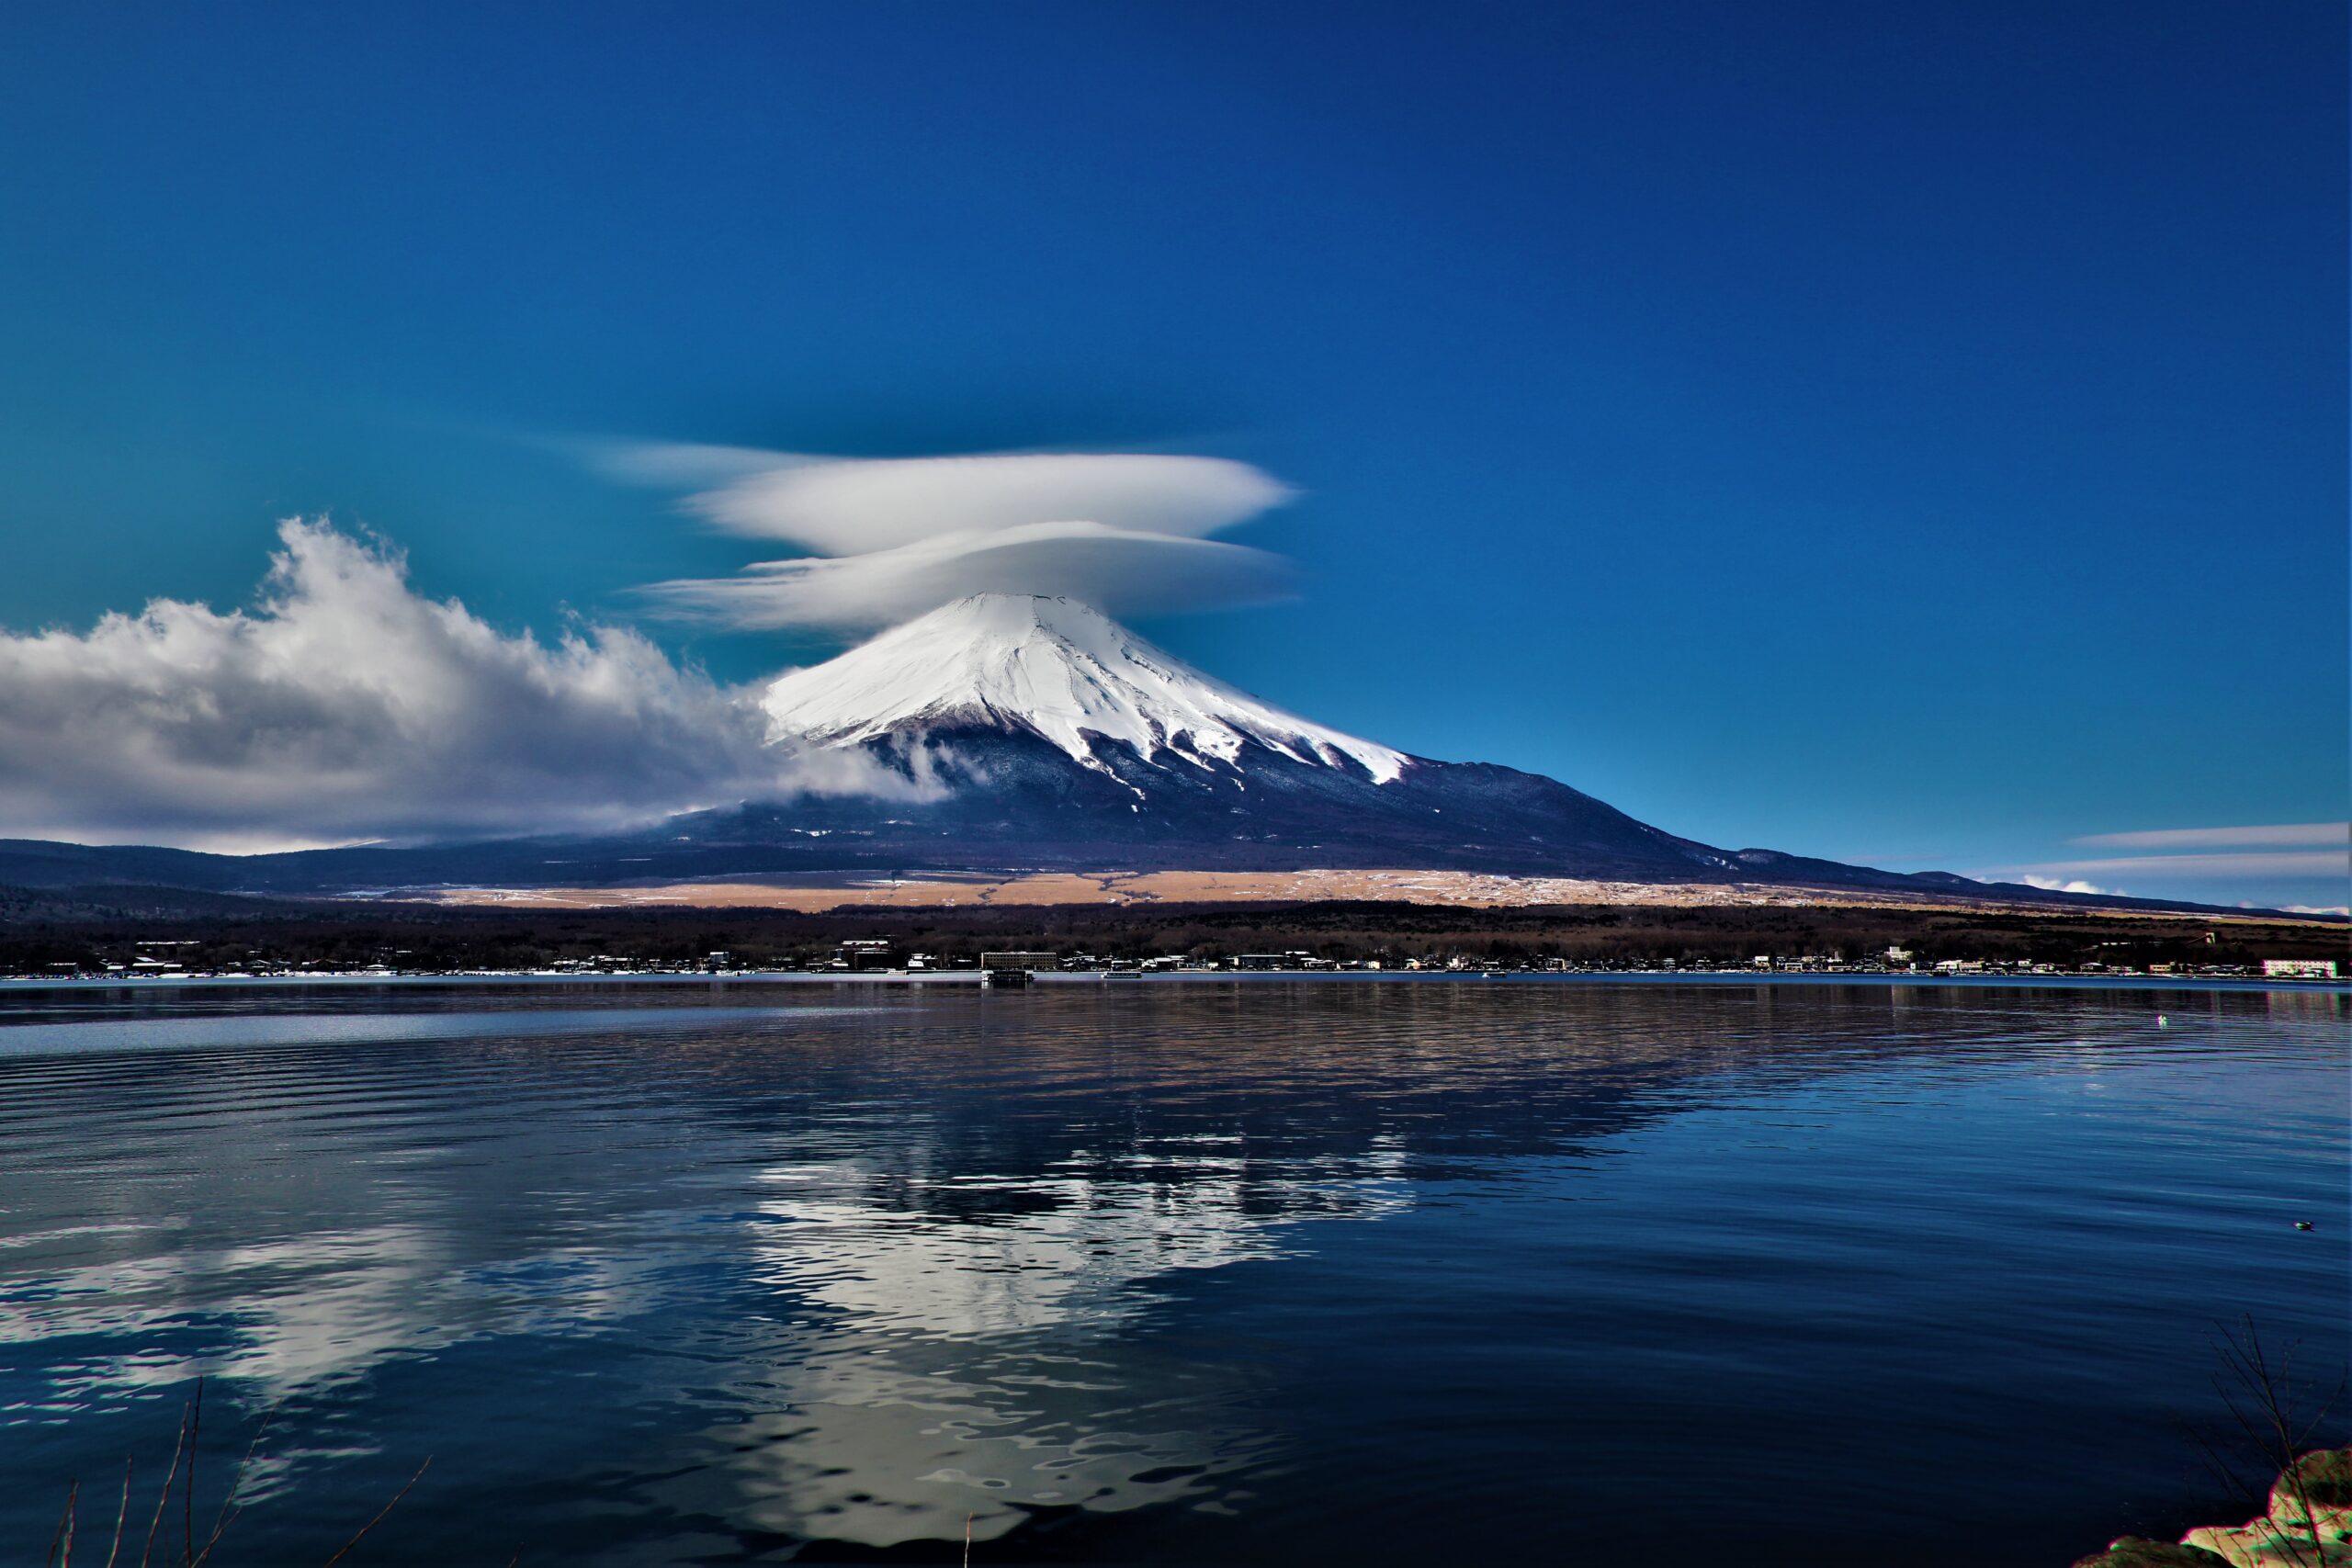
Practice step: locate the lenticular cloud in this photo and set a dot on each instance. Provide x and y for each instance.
(891, 539)
(845, 506)
(344, 706)
(1122, 570)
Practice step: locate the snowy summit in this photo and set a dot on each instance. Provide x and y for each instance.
(1055, 669)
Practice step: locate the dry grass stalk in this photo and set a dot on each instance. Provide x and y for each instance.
(60, 1545)
(2277, 1421)
(229, 1506)
(122, 1514)
(188, 1491)
(379, 1519)
(64, 1534)
(163, 1498)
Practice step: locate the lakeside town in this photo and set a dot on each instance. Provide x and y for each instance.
(881, 958)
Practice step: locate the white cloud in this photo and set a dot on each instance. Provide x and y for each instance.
(2300, 863)
(1120, 572)
(2281, 835)
(344, 706)
(888, 539)
(2058, 885)
(842, 506)
(2317, 908)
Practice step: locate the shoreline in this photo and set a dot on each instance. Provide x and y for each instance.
(15, 985)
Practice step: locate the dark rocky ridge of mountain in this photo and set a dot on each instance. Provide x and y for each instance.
(1009, 800)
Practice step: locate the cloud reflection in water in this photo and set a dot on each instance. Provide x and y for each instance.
(950, 1376)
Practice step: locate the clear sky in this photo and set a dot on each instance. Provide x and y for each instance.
(1910, 434)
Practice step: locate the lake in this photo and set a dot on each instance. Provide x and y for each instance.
(1378, 1272)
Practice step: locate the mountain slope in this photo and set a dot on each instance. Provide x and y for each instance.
(1042, 733)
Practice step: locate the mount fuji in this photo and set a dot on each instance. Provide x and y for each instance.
(1037, 732)
(1007, 733)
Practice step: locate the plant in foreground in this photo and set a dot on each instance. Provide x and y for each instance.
(180, 1476)
(2301, 1494)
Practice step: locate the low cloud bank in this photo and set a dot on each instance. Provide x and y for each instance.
(2057, 885)
(345, 706)
(891, 539)
(2221, 867)
(2277, 873)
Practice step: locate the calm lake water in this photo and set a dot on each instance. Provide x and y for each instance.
(1363, 1273)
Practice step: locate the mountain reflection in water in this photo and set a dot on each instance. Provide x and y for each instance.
(1185, 1273)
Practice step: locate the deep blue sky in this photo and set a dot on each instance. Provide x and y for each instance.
(1907, 433)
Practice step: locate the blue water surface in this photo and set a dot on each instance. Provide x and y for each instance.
(1225, 1272)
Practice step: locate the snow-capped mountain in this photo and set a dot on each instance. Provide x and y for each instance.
(1009, 733)
(1057, 670)
(1036, 731)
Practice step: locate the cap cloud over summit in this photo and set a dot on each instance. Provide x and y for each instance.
(892, 539)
